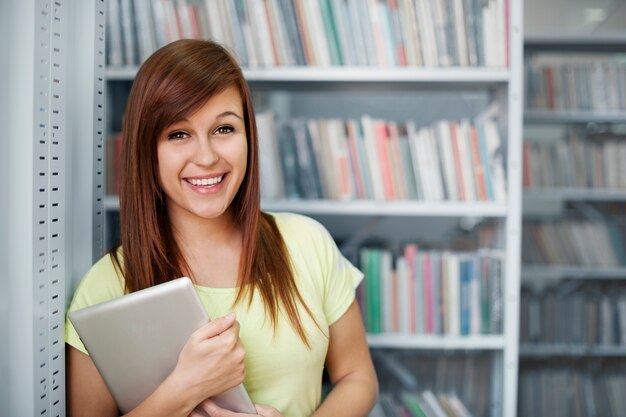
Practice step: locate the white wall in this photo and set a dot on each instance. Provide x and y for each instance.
(4, 154)
(16, 220)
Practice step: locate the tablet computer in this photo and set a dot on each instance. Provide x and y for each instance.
(135, 341)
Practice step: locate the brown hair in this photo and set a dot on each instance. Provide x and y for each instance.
(173, 83)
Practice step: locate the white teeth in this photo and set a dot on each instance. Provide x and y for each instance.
(206, 181)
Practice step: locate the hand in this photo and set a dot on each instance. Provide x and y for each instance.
(214, 410)
(212, 360)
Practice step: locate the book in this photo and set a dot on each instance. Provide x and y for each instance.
(410, 255)
(235, 10)
(269, 157)
(370, 142)
(115, 49)
(478, 166)
(428, 292)
(129, 36)
(289, 162)
(458, 161)
(384, 160)
(396, 162)
(427, 34)
(415, 159)
(410, 33)
(463, 132)
(293, 33)
(387, 294)
(448, 166)
(305, 32)
(144, 24)
(408, 166)
(319, 37)
(345, 38)
(332, 34)
(278, 32)
(403, 290)
(262, 35)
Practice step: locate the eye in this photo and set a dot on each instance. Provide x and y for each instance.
(224, 130)
(177, 135)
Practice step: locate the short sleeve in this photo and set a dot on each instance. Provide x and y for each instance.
(340, 281)
(101, 283)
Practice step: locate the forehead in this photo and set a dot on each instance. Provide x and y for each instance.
(227, 100)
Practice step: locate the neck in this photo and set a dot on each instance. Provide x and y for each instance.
(211, 248)
(192, 230)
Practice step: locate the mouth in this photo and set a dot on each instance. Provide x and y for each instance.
(205, 182)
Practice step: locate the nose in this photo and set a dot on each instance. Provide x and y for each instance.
(205, 153)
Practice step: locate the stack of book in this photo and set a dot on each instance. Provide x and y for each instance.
(575, 161)
(381, 160)
(561, 391)
(579, 82)
(420, 404)
(432, 292)
(574, 242)
(434, 386)
(573, 315)
(386, 33)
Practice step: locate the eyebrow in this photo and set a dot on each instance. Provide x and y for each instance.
(228, 113)
(219, 116)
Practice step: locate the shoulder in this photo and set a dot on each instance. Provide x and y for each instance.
(103, 282)
(292, 225)
(307, 241)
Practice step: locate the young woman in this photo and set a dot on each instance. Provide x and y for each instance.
(189, 206)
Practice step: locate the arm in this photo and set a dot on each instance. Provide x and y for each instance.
(211, 362)
(350, 368)
(355, 387)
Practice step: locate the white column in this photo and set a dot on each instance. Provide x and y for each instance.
(51, 150)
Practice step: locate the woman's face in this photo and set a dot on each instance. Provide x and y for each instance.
(202, 159)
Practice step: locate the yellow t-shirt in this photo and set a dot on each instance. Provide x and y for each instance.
(280, 370)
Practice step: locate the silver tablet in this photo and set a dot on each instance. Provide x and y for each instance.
(135, 340)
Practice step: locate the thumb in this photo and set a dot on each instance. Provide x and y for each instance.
(217, 326)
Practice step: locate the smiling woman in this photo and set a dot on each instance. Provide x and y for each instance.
(203, 158)
(189, 206)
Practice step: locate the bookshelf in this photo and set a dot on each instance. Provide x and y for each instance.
(484, 88)
(573, 311)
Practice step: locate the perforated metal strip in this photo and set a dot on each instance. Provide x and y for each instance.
(99, 118)
(49, 211)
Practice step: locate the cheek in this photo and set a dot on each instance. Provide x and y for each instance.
(167, 165)
(238, 154)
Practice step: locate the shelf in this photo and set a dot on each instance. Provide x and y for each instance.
(576, 43)
(411, 341)
(541, 350)
(388, 208)
(371, 208)
(574, 116)
(281, 75)
(545, 272)
(575, 194)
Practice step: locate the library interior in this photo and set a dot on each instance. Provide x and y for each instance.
(467, 156)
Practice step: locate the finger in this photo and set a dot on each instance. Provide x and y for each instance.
(266, 410)
(195, 413)
(215, 327)
(215, 410)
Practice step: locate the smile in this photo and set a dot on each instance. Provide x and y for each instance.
(205, 182)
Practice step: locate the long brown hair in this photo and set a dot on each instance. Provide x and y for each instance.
(173, 83)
